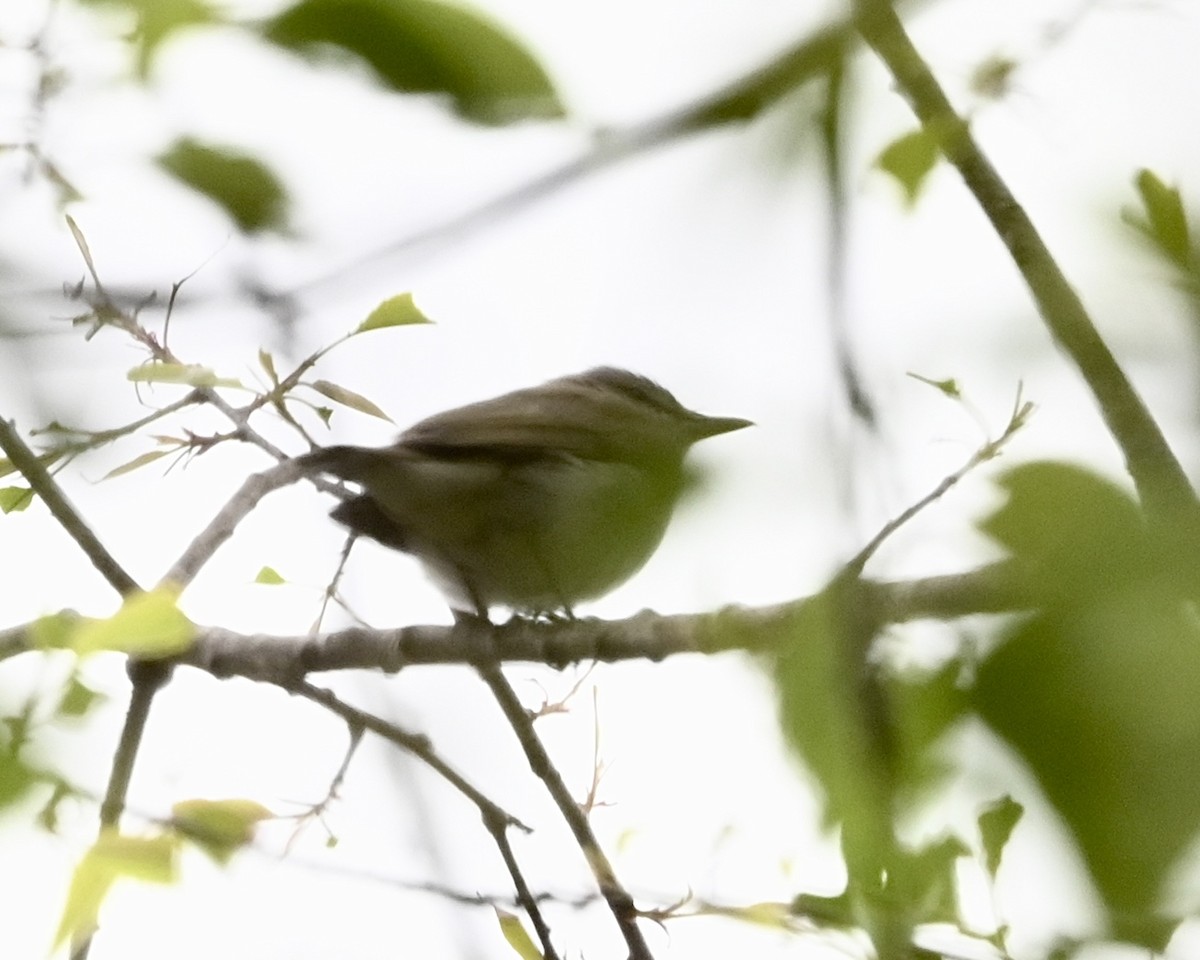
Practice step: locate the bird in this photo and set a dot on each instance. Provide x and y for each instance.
(534, 500)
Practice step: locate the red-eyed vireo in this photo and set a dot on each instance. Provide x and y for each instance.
(535, 499)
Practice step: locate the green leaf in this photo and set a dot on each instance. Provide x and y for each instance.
(148, 625)
(825, 911)
(424, 47)
(949, 386)
(242, 186)
(15, 499)
(765, 913)
(54, 631)
(15, 778)
(825, 717)
(516, 935)
(268, 364)
(993, 77)
(77, 699)
(113, 855)
(909, 161)
(189, 374)
(269, 576)
(349, 398)
(397, 311)
(926, 881)
(219, 827)
(1097, 691)
(1165, 221)
(835, 716)
(157, 20)
(139, 461)
(996, 824)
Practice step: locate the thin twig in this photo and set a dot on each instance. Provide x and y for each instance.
(619, 901)
(1022, 411)
(495, 819)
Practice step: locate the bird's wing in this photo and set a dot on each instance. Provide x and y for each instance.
(521, 425)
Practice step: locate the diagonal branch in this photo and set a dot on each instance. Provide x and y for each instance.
(1161, 482)
(45, 486)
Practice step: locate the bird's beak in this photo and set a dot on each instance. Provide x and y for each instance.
(714, 426)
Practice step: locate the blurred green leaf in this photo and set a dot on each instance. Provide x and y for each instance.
(909, 159)
(1098, 690)
(54, 630)
(825, 911)
(834, 715)
(397, 311)
(421, 46)
(826, 717)
(219, 827)
(268, 364)
(349, 398)
(77, 699)
(139, 461)
(996, 824)
(922, 706)
(15, 777)
(189, 374)
(514, 932)
(147, 625)
(926, 883)
(156, 20)
(1162, 218)
(113, 855)
(243, 187)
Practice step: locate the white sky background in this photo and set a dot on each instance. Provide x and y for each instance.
(702, 265)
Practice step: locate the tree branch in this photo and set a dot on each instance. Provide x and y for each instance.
(1161, 481)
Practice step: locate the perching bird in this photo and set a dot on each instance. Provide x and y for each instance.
(535, 499)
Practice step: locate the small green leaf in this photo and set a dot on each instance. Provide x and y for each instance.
(397, 311)
(349, 398)
(1165, 222)
(189, 374)
(148, 625)
(242, 186)
(516, 935)
(15, 777)
(81, 242)
(766, 913)
(15, 499)
(948, 386)
(47, 816)
(113, 855)
(325, 413)
(269, 576)
(996, 824)
(909, 161)
(993, 78)
(77, 699)
(218, 827)
(268, 364)
(139, 461)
